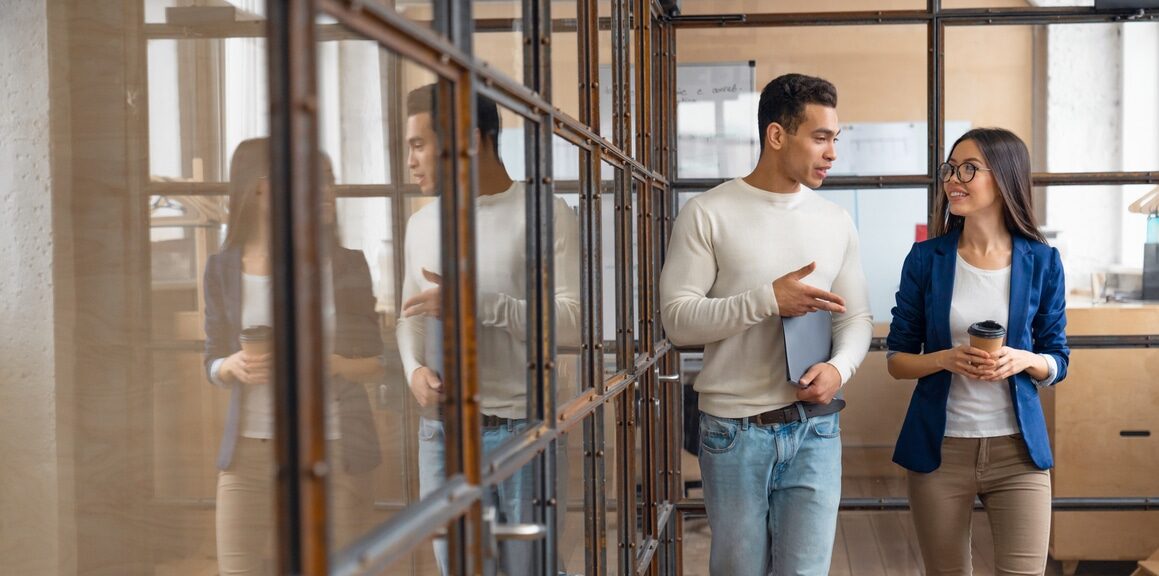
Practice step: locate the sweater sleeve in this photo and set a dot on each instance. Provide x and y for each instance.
(508, 312)
(568, 311)
(690, 316)
(853, 330)
(411, 331)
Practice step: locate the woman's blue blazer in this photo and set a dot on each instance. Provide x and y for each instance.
(921, 324)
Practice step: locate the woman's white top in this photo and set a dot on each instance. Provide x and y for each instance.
(257, 417)
(978, 409)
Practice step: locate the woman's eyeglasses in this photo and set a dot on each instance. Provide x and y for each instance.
(965, 171)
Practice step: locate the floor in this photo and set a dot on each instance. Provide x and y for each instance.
(877, 543)
(883, 544)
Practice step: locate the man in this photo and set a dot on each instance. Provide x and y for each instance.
(743, 256)
(502, 315)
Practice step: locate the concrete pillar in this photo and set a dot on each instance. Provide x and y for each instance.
(35, 495)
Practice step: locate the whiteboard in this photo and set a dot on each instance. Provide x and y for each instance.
(882, 148)
(715, 82)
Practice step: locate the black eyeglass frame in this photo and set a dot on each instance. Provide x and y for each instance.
(945, 170)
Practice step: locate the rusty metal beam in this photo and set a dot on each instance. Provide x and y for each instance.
(952, 17)
(936, 105)
(299, 406)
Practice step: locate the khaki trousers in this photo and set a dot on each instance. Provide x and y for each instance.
(245, 508)
(1014, 492)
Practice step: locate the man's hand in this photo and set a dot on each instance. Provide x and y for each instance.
(426, 387)
(795, 298)
(428, 302)
(819, 384)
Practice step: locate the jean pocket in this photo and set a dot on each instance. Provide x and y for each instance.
(827, 426)
(429, 429)
(717, 435)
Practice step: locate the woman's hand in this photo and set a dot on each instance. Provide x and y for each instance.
(966, 361)
(247, 368)
(1010, 361)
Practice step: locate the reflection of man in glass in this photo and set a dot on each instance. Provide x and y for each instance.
(501, 216)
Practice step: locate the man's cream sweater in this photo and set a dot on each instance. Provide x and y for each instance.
(728, 246)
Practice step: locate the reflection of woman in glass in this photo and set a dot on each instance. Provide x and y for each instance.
(238, 297)
(975, 425)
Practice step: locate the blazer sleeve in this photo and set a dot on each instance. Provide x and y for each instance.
(219, 340)
(1048, 328)
(358, 335)
(907, 330)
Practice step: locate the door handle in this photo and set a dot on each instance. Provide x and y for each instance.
(519, 531)
(496, 531)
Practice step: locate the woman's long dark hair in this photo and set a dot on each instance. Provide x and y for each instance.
(249, 165)
(1009, 162)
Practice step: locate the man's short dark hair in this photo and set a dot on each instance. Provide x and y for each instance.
(783, 101)
(423, 100)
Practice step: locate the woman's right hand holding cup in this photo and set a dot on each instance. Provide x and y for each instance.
(247, 368)
(966, 360)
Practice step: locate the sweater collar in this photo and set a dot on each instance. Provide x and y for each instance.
(779, 199)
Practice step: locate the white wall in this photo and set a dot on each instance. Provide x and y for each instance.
(30, 504)
(1102, 89)
(1083, 98)
(1140, 53)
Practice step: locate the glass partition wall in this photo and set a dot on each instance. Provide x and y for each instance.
(339, 287)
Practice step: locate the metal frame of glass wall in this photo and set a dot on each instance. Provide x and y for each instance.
(641, 353)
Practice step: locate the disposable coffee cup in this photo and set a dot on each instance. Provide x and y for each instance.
(987, 335)
(257, 340)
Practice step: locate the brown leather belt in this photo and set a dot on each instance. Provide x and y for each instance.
(793, 413)
(490, 421)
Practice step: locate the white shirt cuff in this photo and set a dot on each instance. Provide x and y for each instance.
(215, 373)
(1051, 371)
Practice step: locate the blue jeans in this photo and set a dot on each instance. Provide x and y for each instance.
(772, 494)
(511, 497)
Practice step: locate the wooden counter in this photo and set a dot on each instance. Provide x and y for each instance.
(1104, 426)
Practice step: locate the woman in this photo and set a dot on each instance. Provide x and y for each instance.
(975, 425)
(238, 283)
